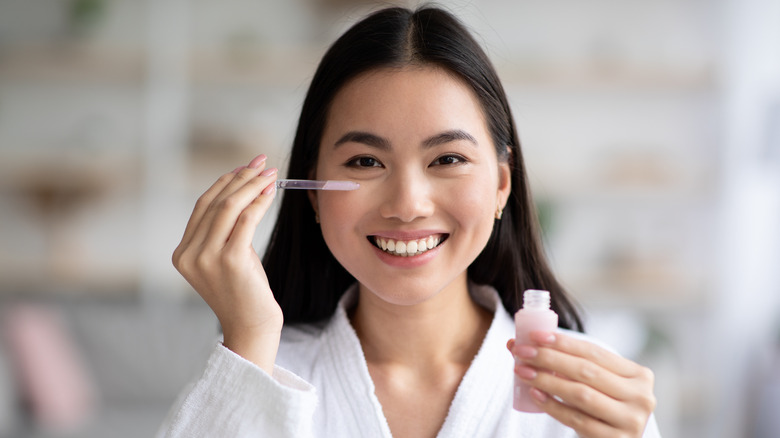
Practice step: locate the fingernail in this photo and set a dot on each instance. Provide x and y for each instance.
(543, 337)
(268, 172)
(525, 373)
(526, 351)
(239, 169)
(538, 395)
(270, 189)
(257, 161)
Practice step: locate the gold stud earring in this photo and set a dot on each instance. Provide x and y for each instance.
(317, 216)
(499, 212)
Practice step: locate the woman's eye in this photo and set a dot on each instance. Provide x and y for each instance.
(448, 160)
(364, 162)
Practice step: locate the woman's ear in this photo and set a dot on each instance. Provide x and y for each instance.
(504, 179)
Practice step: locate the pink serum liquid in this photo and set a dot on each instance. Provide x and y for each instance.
(535, 315)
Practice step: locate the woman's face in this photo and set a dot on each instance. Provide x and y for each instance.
(430, 182)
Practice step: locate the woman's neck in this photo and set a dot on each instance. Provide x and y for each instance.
(448, 328)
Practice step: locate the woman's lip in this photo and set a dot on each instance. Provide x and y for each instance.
(408, 235)
(408, 262)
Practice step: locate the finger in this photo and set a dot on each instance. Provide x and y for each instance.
(202, 204)
(243, 176)
(588, 351)
(257, 161)
(206, 200)
(229, 210)
(212, 203)
(577, 369)
(585, 425)
(579, 397)
(244, 231)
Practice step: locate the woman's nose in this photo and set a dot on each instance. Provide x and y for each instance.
(407, 197)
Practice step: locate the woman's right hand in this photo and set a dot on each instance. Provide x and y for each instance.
(217, 258)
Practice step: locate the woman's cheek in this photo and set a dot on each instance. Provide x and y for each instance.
(471, 199)
(474, 209)
(340, 213)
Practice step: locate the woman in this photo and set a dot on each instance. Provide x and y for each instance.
(384, 310)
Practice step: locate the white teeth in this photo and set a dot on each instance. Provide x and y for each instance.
(407, 248)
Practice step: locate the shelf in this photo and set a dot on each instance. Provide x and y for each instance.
(592, 76)
(651, 294)
(72, 63)
(78, 63)
(598, 192)
(46, 280)
(291, 66)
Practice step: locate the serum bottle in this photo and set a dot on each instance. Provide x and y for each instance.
(535, 315)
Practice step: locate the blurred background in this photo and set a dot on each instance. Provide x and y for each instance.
(651, 131)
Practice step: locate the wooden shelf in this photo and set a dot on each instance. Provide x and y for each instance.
(72, 63)
(291, 66)
(658, 294)
(584, 76)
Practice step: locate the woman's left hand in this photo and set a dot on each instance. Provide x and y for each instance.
(595, 392)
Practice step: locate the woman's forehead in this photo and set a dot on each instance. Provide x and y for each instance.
(401, 79)
(412, 99)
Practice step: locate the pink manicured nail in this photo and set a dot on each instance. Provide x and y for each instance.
(524, 372)
(538, 395)
(257, 161)
(239, 169)
(526, 351)
(270, 189)
(543, 337)
(269, 172)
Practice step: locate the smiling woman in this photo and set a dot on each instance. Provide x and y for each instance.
(384, 311)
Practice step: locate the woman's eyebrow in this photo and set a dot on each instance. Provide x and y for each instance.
(381, 143)
(364, 138)
(448, 136)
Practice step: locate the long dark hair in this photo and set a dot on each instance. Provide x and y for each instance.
(306, 279)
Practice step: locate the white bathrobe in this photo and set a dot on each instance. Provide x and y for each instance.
(321, 387)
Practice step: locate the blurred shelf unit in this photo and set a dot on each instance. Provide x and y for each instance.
(636, 240)
(625, 180)
(228, 77)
